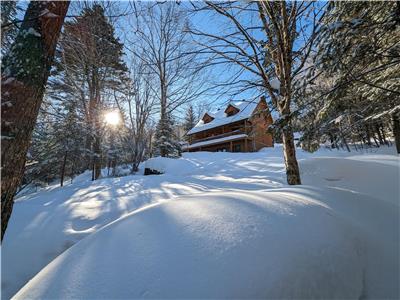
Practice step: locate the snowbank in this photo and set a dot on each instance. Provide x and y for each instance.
(215, 245)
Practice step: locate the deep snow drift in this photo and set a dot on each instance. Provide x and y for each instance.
(237, 230)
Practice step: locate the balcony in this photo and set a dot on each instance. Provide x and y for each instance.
(218, 136)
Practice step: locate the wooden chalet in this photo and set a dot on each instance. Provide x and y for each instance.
(240, 127)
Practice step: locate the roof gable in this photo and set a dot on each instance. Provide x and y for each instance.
(231, 110)
(246, 109)
(207, 118)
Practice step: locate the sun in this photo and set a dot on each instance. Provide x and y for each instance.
(112, 118)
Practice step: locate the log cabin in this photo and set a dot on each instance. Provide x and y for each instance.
(240, 127)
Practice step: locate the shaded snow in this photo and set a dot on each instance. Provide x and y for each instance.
(234, 229)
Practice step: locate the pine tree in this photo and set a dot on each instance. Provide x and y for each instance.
(56, 149)
(89, 64)
(165, 141)
(190, 120)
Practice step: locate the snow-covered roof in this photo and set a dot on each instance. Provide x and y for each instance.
(246, 109)
(217, 141)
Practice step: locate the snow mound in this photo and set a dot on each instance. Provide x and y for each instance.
(215, 245)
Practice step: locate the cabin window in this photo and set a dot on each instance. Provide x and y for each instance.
(237, 148)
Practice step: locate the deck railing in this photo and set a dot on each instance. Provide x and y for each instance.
(217, 136)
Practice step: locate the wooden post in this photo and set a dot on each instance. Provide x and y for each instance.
(230, 146)
(245, 145)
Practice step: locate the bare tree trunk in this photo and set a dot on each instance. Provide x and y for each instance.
(97, 158)
(63, 168)
(345, 143)
(381, 141)
(382, 128)
(374, 137)
(163, 114)
(114, 167)
(24, 76)
(368, 135)
(289, 153)
(93, 177)
(396, 131)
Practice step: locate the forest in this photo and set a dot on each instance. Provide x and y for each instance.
(101, 87)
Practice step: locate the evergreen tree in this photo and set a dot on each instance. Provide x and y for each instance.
(190, 120)
(89, 65)
(165, 141)
(355, 94)
(56, 150)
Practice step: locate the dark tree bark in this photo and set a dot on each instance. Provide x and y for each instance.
(368, 135)
(289, 152)
(96, 158)
(25, 70)
(381, 141)
(63, 168)
(396, 130)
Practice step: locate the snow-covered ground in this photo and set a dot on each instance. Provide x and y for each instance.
(215, 225)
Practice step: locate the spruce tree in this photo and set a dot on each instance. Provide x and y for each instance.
(165, 141)
(190, 120)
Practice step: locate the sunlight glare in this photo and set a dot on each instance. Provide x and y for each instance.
(112, 118)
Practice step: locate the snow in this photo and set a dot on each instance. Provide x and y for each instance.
(275, 84)
(225, 231)
(384, 113)
(246, 109)
(32, 31)
(8, 80)
(215, 225)
(48, 14)
(217, 141)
